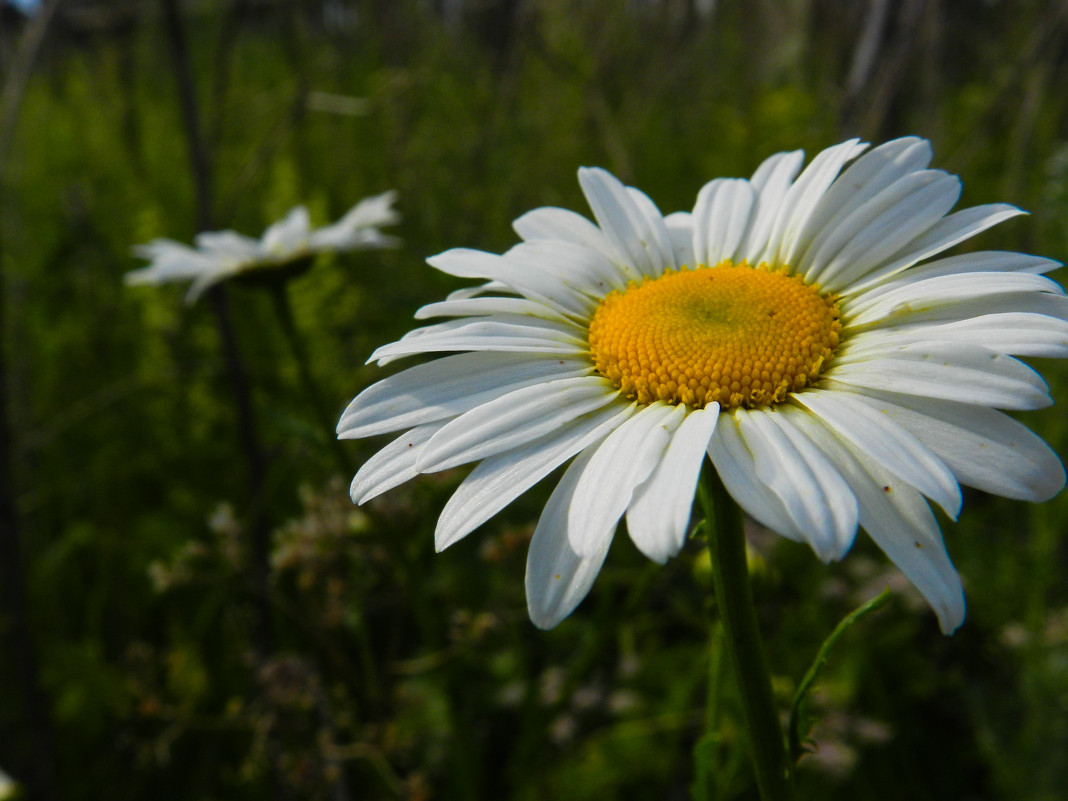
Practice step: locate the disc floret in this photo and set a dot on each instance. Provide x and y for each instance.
(738, 335)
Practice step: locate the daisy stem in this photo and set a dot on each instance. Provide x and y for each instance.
(284, 309)
(734, 601)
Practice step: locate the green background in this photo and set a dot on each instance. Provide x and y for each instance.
(374, 668)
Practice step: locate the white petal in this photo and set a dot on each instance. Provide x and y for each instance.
(1013, 333)
(558, 578)
(947, 370)
(945, 234)
(391, 466)
(569, 226)
(289, 233)
(659, 515)
(358, 227)
(205, 281)
(814, 495)
(886, 443)
(900, 303)
(171, 261)
(662, 251)
(447, 387)
(983, 261)
(868, 176)
(619, 465)
(680, 229)
(785, 239)
(585, 272)
(514, 419)
(772, 181)
(465, 293)
(984, 448)
(636, 229)
(900, 522)
(736, 466)
(882, 226)
(497, 481)
(228, 246)
(721, 219)
(537, 280)
(482, 307)
(483, 334)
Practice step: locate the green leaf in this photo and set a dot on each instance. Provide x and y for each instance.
(796, 725)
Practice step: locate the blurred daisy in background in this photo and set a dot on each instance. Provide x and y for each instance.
(287, 247)
(793, 328)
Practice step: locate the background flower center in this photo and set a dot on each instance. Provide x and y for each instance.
(736, 334)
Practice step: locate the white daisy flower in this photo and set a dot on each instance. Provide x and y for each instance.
(793, 327)
(289, 243)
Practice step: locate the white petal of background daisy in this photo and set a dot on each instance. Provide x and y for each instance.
(801, 330)
(221, 255)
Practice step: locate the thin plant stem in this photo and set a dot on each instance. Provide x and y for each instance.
(259, 527)
(200, 164)
(327, 420)
(734, 601)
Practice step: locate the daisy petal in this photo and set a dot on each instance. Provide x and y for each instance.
(567, 226)
(984, 448)
(772, 181)
(514, 419)
(882, 226)
(482, 334)
(227, 246)
(721, 219)
(814, 495)
(358, 228)
(983, 261)
(949, 371)
(203, 282)
(477, 291)
(636, 229)
(483, 307)
(497, 481)
(868, 176)
(663, 251)
(802, 198)
(289, 233)
(887, 444)
(659, 515)
(171, 261)
(900, 303)
(443, 388)
(945, 234)
(680, 230)
(899, 521)
(514, 271)
(558, 578)
(619, 466)
(391, 466)
(735, 464)
(1012, 333)
(584, 271)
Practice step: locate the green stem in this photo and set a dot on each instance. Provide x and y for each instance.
(734, 600)
(280, 295)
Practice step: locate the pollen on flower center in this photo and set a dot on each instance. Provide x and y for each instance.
(733, 334)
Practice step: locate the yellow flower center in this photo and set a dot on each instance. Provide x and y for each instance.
(733, 334)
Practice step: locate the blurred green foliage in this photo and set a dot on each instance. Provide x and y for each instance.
(393, 672)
